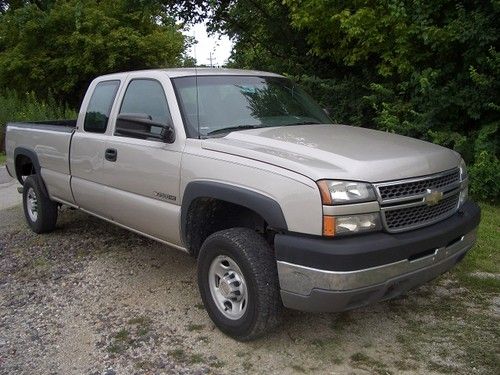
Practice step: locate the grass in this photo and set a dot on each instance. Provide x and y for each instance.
(120, 342)
(180, 355)
(137, 331)
(3, 158)
(484, 257)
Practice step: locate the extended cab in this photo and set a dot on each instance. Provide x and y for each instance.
(244, 171)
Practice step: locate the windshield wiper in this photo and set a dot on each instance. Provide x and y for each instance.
(231, 128)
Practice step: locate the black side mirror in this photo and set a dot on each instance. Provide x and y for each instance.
(141, 125)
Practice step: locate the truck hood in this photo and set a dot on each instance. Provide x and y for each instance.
(338, 152)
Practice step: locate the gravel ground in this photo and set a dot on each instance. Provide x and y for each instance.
(91, 298)
(9, 197)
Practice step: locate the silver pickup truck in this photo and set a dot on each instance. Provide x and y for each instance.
(244, 171)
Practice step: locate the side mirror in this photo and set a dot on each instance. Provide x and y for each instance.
(141, 125)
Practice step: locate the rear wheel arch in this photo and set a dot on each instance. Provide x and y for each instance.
(26, 163)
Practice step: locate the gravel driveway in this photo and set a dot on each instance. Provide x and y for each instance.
(92, 298)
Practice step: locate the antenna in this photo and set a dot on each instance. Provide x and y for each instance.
(211, 59)
(196, 84)
(197, 100)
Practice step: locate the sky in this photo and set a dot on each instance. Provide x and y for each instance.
(219, 45)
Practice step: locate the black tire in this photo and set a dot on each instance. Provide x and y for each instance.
(256, 261)
(46, 210)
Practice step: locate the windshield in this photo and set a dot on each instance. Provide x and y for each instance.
(226, 103)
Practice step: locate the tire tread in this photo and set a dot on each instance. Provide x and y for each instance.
(47, 209)
(262, 263)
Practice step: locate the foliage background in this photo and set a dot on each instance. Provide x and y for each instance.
(424, 69)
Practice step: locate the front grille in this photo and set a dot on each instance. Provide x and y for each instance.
(416, 216)
(418, 187)
(403, 203)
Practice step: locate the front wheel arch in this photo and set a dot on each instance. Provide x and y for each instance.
(263, 206)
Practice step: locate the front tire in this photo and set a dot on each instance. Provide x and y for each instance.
(39, 210)
(238, 283)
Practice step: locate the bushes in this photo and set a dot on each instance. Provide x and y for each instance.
(15, 107)
(485, 171)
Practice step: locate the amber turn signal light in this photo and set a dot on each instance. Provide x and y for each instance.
(326, 197)
(329, 226)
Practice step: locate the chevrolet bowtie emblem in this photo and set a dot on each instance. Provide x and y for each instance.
(433, 197)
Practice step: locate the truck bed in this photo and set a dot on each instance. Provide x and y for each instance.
(49, 140)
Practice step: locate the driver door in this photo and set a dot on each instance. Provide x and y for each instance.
(142, 175)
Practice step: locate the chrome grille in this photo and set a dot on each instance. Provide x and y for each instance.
(417, 187)
(403, 206)
(420, 215)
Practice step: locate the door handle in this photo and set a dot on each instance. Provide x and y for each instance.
(111, 154)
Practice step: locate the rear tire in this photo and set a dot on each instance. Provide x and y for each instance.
(238, 282)
(39, 210)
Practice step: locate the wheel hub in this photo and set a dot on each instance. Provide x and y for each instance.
(228, 287)
(32, 204)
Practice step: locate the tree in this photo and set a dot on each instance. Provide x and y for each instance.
(425, 69)
(61, 48)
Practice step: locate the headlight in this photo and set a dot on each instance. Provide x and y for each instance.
(463, 170)
(335, 192)
(342, 192)
(352, 224)
(464, 183)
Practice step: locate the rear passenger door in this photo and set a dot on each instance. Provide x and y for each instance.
(143, 176)
(88, 145)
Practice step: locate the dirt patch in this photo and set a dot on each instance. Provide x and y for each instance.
(92, 298)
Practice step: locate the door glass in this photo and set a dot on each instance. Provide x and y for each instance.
(99, 108)
(146, 97)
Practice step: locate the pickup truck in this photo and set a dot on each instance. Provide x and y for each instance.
(245, 172)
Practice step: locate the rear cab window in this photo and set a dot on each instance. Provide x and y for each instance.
(99, 107)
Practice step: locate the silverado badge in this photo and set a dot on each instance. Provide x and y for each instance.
(433, 197)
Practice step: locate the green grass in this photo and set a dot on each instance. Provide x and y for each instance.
(485, 255)
(138, 331)
(120, 342)
(3, 158)
(177, 354)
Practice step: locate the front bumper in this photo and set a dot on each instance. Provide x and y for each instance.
(341, 274)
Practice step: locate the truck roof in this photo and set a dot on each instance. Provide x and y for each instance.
(185, 72)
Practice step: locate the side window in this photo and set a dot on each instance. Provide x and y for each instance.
(99, 108)
(146, 97)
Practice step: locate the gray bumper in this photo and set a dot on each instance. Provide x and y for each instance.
(309, 289)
